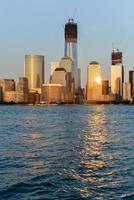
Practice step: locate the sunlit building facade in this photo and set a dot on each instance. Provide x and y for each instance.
(8, 88)
(66, 63)
(9, 97)
(126, 91)
(59, 77)
(7, 85)
(94, 85)
(54, 65)
(0, 94)
(117, 73)
(34, 70)
(53, 93)
(63, 75)
(116, 79)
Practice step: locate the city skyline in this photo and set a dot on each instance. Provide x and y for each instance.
(39, 32)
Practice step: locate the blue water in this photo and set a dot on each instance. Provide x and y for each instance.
(66, 152)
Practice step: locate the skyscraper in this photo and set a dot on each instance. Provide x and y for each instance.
(116, 57)
(79, 77)
(54, 65)
(117, 73)
(34, 70)
(71, 47)
(94, 83)
(59, 77)
(131, 81)
(66, 63)
(63, 75)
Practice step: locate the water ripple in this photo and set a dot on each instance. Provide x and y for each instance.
(66, 152)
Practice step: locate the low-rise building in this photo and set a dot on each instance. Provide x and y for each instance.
(126, 91)
(33, 98)
(8, 93)
(9, 97)
(0, 94)
(52, 93)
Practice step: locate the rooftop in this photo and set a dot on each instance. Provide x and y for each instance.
(94, 63)
(60, 69)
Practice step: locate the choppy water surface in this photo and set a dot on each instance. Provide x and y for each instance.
(66, 152)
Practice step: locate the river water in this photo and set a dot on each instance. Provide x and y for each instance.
(66, 152)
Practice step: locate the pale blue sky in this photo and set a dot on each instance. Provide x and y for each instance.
(36, 26)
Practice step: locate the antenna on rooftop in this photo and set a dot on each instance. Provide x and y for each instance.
(62, 26)
(113, 46)
(74, 13)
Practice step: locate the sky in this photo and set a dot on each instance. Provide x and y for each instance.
(37, 27)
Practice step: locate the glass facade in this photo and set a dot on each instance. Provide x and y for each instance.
(34, 70)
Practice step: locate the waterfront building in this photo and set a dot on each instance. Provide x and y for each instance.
(37, 98)
(34, 70)
(22, 90)
(131, 81)
(109, 98)
(71, 47)
(117, 73)
(9, 97)
(105, 87)
(33, 98)
(0, 94)
(94, 85)
(7, 85)
(8, 90)
(36, 90)
(53, 93)
(126, 91)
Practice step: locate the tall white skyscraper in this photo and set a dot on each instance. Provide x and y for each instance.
(71, 47)
(117, 73)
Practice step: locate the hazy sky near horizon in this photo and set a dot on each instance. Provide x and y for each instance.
(37, 27)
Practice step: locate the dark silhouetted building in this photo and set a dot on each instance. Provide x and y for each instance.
(105, 87)
(131, 81)
(116, 57)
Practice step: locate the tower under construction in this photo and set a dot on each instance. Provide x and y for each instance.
(71, 47)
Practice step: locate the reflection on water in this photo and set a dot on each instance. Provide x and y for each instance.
(93, 156)
(95, 171)
(66, 152)
(94, 140)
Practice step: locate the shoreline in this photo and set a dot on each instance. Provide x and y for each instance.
(64, 104)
